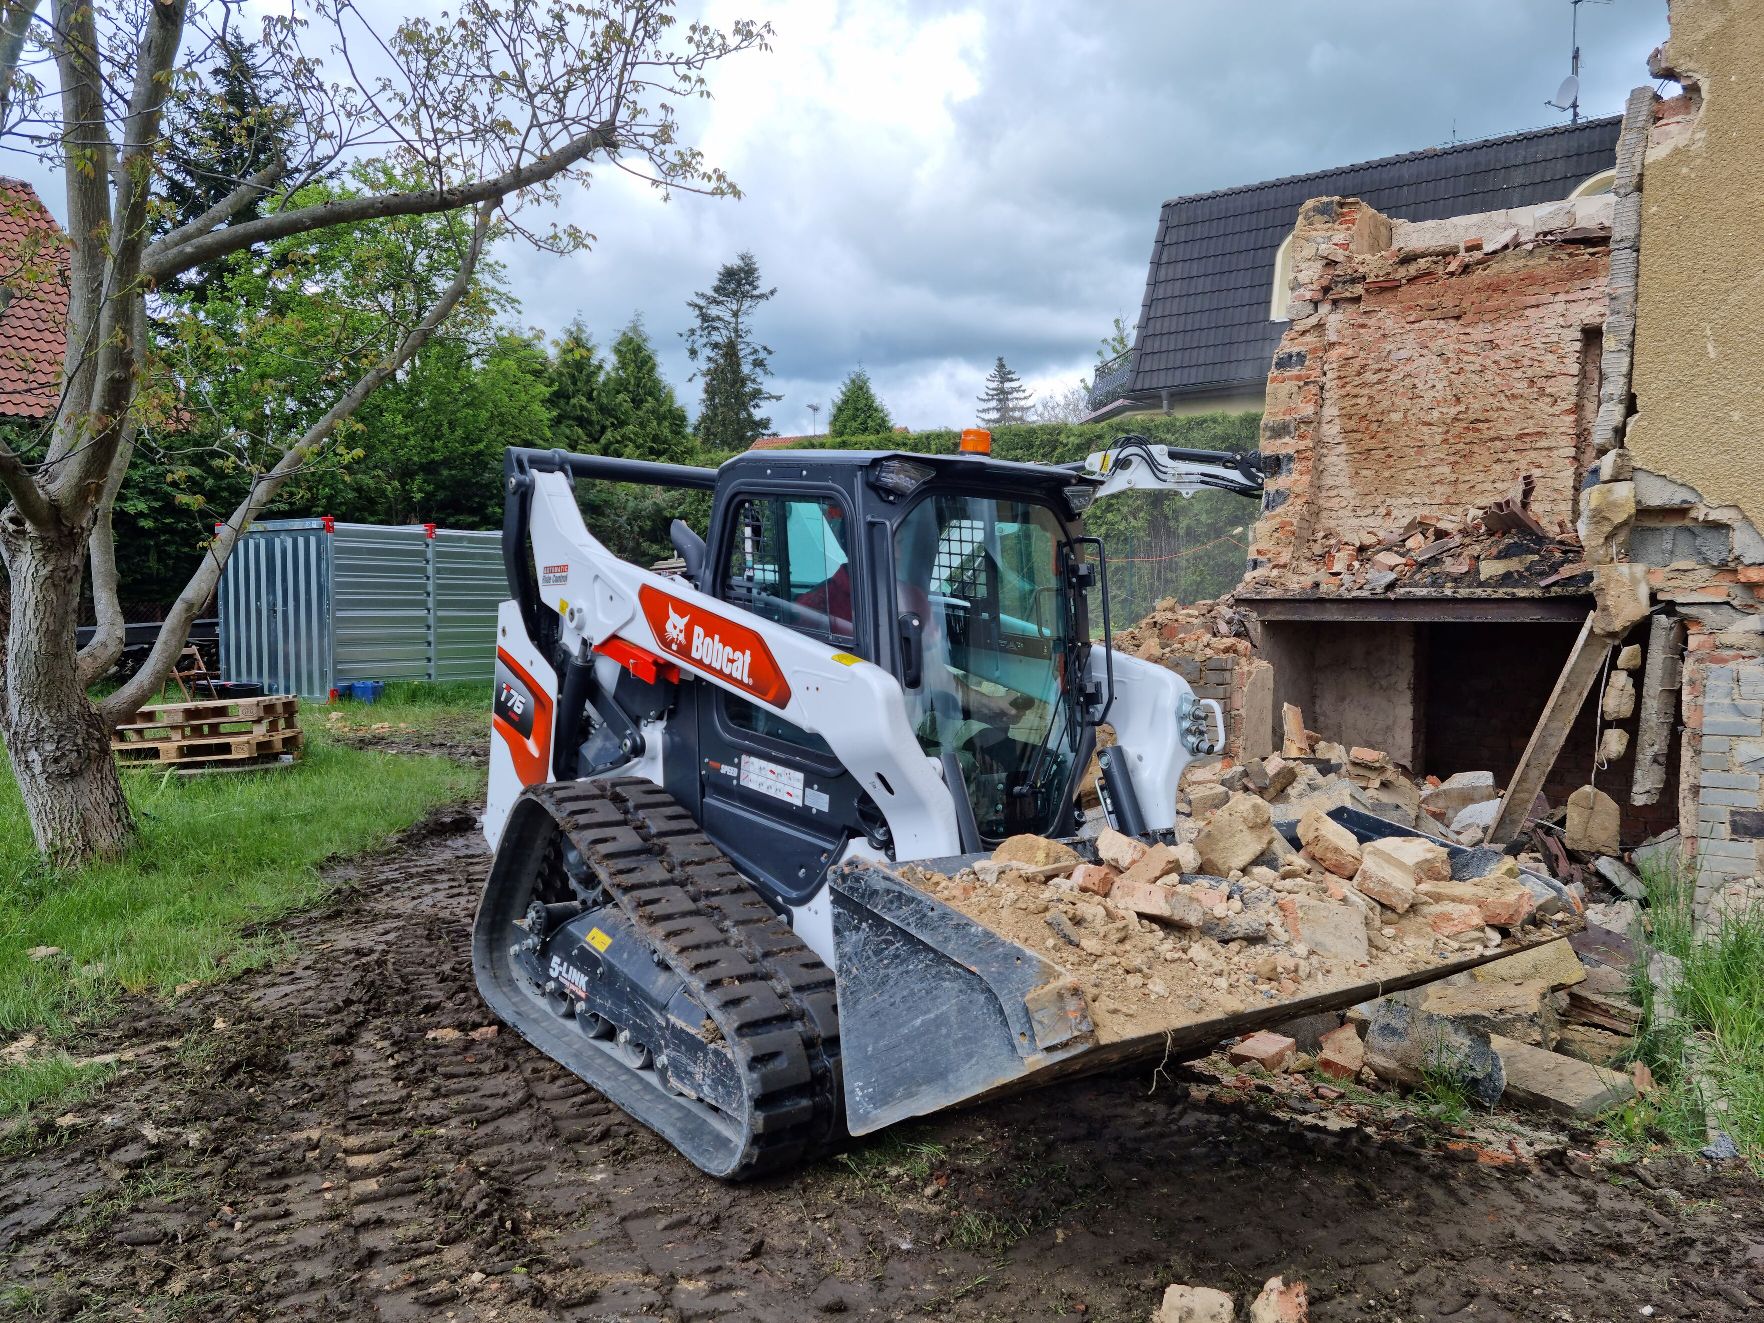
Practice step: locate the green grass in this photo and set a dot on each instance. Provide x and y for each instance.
(219, 859)
(454, 711)
(1719, 1022)
(56, 1078)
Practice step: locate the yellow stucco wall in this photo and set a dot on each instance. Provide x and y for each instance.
(1698, 378)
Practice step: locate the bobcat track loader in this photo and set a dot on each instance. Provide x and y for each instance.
(704, 786)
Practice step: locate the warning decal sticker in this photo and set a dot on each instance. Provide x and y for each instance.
(770, 779)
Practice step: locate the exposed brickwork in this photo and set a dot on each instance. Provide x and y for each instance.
(1721, 789)
(1427, 379)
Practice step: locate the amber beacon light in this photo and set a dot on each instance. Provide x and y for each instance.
(976, 441)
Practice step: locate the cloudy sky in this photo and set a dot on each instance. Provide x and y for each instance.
(930, 185)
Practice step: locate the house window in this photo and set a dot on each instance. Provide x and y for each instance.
(1282, 281)
(1602, 182)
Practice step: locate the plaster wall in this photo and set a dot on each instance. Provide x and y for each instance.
(1700, 299)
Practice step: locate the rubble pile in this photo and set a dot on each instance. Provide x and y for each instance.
(1202, 629)
(1312, 772)
(1500, 546)
(1241, 911)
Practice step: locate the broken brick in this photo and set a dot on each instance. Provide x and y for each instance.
(1281, 1303)
(1390, 869)
(1271, 1051)
(1153, 900)
(1450, 918)
(1329, 843)
(1097, 879)
(1118, 851)
(1341, 1054)
(1156, 862)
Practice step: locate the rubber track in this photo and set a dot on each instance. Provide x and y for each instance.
(773, 999)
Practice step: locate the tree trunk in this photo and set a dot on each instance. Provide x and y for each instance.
(58, 742)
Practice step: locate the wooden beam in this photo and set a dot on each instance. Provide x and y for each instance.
(1579, 674)
(1661, 680)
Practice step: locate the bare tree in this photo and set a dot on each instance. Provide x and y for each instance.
(1071, 405)
(502, 105)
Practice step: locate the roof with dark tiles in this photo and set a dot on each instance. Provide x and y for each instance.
(1204, 324)
(33, 303)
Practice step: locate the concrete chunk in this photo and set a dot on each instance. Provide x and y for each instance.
(1553, 963)
(1521, 1011)
(1620, 876)
(1554, 1083)
(1195, 1304)
(1236, 835)
(1034, 852)
(1333, 929)
(1403, 1044)
(1593, 822)
(1458, 792)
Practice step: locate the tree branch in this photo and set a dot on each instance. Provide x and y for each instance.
(98, 656)
(197, 250)
(32, 503)
(122, 323)
(86, 167)
(15, 22)
(126, 701)
(254, 188)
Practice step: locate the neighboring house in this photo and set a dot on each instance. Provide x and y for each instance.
(1216, 296)
(33, 304)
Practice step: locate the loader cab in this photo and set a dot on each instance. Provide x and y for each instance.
(959, 574)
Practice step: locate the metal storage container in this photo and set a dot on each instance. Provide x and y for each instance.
(309, 605)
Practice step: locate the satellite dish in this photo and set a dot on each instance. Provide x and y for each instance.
(1569, 92)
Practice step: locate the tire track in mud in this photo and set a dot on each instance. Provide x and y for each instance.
(348, 1136)
(370, 1143)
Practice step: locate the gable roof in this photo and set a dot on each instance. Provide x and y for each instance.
(33, 303)
(1204, 324)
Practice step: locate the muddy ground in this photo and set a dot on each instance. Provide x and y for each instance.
(347, 1136)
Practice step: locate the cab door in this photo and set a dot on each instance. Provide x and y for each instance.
(774, 796)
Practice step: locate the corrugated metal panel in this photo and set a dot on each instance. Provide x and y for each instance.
(305, 609)
(275, 609)
(380, 603)
(469, 584)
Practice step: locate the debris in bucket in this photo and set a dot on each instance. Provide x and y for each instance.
(1252, 904)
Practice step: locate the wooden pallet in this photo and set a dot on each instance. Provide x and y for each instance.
(215, 733)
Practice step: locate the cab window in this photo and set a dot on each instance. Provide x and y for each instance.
(789, 561)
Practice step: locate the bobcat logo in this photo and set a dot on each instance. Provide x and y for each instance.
(676, 630)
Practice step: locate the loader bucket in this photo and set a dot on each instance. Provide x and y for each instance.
(937, 1008)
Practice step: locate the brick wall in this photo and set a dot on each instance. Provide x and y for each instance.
(1427, 369)
(1720, 793)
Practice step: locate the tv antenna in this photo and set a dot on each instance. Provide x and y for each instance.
(1568, 94)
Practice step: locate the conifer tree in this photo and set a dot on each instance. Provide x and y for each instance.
(856, 410)
(1006, 400)
(735, 364)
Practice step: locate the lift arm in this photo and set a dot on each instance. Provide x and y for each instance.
(1137, 463)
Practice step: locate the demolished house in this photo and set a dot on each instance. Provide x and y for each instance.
(1513, 520)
